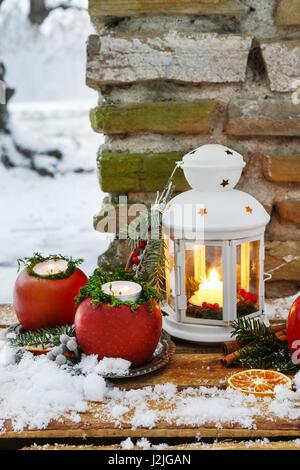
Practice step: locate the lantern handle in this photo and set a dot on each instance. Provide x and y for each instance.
(267, 277)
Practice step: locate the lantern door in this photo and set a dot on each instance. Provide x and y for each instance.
(249, 276)
(206, 274)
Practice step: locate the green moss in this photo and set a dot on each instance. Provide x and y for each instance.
(36, 258)
(121, 8)
(122, 172)
(157, 117)
(93, 289)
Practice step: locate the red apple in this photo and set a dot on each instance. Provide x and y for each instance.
(293, 325)
(45, 303)
(109, 331)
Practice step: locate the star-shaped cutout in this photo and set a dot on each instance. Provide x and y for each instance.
(249, 209)
(224, 183)
(229, 152)
(203, 211)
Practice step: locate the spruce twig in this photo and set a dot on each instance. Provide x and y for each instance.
(45, 337)
(262, 349)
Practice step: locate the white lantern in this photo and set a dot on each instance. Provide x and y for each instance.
(215, 249)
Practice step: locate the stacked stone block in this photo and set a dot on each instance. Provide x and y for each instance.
(176, 74)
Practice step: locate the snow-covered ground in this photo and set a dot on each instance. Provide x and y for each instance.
(50, 215)
(46, 64)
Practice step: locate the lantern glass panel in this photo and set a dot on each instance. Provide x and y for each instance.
(204, 281)
(248, 278)
(170, 271)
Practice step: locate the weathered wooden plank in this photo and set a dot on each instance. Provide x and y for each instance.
(97, 424)
(156, 118)
(273, 116)
(188, 368)
(185, 370)
(282, 61)
(119, 8)
(180, 57)
(220, 445)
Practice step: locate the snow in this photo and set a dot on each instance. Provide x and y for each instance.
(142, 443)
(107, 365)
(75, 3)
(52, 65)
(118, 410)
(7, 354)
(48, 214)
(127, 444)
(297, 380)
(278, 309)
(114, 366)
(94, 387)
(35, 391)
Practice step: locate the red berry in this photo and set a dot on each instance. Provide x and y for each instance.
(216, 306)
(141, 244)
(134, 254)
(242, 292)
(135, 260)
(204, 304)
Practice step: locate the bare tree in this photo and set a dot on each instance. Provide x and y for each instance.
(38, 11)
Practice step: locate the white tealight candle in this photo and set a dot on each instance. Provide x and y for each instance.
(50, 267)
(123, 290)
(210, 291)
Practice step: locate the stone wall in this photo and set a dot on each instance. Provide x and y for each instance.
(175, 74)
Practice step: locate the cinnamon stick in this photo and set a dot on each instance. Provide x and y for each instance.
(231, 358)
(233, 351)
(230, 347)
(281, 335)
(278, 327)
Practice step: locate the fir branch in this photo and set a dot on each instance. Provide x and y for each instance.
(44, 337)
(36, 258)
(155, 263)
(262, 349)
(267, 356)
(247, 330)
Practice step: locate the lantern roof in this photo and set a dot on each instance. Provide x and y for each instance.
(212, 167)
(213, 210)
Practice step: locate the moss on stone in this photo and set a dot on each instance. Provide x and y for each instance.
(121, 8)
(157, 118)
(122, 172)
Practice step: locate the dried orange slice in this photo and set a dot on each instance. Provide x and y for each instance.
(258, 382)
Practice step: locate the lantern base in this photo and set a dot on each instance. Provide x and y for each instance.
(195, 332)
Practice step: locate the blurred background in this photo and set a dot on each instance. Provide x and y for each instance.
(49, 191)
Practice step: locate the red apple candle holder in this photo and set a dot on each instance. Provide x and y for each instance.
(45, 291)
(108, 326)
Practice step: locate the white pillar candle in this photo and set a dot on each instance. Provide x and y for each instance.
(123, 290)
(50, 267)
(210, 291)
